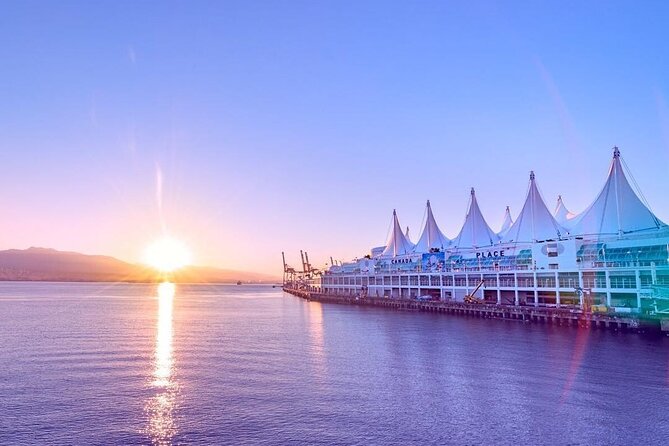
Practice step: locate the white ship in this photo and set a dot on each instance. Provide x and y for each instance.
(614, 256)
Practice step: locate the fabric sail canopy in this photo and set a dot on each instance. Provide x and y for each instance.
(397, 244)
(535, 222)
(475, 231)
(406, 234)
(431, 237)
(617, 209)
(506, 224)
(562, 214)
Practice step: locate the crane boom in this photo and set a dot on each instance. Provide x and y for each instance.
(470, 298)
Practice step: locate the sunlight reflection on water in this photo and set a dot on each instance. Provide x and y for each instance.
(315, 313)
(161, 406)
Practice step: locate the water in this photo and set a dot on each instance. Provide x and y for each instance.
(134, 364)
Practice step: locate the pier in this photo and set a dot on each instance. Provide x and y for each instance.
(526, 314)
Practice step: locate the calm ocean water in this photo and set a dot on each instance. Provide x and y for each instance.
(134, 364)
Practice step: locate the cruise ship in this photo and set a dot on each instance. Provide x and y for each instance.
(613, 256)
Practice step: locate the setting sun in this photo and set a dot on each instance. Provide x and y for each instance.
(167, 255)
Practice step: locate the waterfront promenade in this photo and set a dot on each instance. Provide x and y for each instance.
(635, 323)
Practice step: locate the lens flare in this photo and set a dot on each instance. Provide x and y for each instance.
(167, 254)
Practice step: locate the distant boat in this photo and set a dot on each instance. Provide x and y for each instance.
(239, 282)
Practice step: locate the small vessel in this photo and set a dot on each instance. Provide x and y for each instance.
(239, 282)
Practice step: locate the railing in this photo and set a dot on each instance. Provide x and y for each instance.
(622, 282)
(609, 264)
(580, 265)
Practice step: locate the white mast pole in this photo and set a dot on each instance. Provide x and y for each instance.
(471, 207)
(534, 232)
(616, 166)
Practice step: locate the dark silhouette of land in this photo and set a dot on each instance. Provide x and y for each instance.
(42, 264)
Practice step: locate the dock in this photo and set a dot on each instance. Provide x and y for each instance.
(633, 323)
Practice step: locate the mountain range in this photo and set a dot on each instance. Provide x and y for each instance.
(44, 264)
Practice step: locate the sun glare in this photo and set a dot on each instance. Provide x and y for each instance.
(167, 255)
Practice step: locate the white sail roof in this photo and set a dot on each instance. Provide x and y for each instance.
(506, 224)
(431, 237)
(475, 231)
(535, 221)
(617, 209)
(397, 243)
(562, 214)
(406, 234)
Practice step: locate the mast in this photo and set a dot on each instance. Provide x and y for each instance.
(427, 222)
(395, 225)
(471, 204)
(616, 167)
(534, 232)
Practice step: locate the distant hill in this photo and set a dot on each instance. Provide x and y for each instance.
(42, 264)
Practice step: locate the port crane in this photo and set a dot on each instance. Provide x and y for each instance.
(471, 299)
(299, 277)
(585, 294)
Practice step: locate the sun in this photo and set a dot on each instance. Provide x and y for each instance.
(167, 254)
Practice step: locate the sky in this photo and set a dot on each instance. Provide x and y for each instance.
(250, 128)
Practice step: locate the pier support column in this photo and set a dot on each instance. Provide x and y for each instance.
(557, 297)
(536, 298)
(499, 294)
(516, 301)
(580, 284)
(638, 288)
(608, 289)
(557, 290)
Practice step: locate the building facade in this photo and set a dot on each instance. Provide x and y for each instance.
(614, 254)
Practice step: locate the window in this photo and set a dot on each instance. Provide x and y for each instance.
(507, 280)
(622, 281)
(525, 281)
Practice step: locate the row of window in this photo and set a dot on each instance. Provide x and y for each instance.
(564, 280)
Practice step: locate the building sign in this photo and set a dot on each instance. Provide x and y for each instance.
(405, 260)
(490, 254)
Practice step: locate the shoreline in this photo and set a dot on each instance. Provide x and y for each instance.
(137, 282)
(526, 314)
